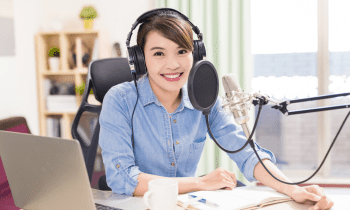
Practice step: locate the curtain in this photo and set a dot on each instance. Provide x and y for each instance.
(225, 26)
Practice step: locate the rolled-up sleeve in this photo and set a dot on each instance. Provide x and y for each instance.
(250, 163)
(115, 142)
(231, 137)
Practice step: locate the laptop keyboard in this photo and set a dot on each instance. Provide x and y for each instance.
(103, 207)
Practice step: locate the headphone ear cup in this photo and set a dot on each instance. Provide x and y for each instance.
(133, 59)
(198, 51)
(201, 50)
(131, 56)
(140, 61)
(195, 52)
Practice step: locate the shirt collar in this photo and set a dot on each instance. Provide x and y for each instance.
(147, 96)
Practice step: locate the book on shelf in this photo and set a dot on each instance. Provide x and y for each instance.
(53, 128)
(240, 198)
(62, 135)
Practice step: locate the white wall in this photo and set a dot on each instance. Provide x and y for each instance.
(18, 86)
(6, 8)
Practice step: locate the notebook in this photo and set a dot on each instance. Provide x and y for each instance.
(46, 172)
(241, 198)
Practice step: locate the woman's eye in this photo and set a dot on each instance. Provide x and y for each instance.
(158, 54)
(183, 51)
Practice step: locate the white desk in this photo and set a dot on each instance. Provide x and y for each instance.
(340, 196)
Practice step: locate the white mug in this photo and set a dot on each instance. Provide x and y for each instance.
(162, 194)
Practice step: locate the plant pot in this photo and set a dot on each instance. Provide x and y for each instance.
(88, 23)
(54, 63)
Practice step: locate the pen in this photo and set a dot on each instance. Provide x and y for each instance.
(209, 203)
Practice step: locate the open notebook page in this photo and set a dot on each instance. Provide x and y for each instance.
(237, 198)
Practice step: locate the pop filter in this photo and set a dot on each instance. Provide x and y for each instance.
(203, 86)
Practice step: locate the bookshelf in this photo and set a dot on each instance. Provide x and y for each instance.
(69, 71)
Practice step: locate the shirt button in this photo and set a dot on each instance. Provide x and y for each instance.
(118, 166)
(177, 142)
(174, 121)
(172, 164)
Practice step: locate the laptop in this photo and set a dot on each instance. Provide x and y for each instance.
(46, 172)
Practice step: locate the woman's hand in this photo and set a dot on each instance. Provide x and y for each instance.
(312, 194)
(218, 179)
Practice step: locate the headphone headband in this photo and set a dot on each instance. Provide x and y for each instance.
(150, 13)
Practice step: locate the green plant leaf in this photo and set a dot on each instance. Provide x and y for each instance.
(80, 89)
(88, 12)
(54, 52)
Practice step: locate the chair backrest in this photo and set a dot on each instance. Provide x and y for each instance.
(13, 124)
(102, 75)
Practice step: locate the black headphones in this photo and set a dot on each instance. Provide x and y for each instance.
(136, 59)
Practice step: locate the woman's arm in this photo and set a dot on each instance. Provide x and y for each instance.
(215, 180)
(186, 184)
(265, 178)
(311, 194)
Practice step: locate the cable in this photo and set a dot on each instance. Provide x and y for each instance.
(251, 143)
(132, 117)
(228, 151)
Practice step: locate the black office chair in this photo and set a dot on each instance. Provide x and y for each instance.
(102, 75)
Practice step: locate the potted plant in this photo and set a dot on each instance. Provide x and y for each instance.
(80, 89)
(91, 98)
(54, 58)
(88, 14)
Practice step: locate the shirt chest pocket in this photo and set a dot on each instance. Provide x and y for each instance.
(194, 156)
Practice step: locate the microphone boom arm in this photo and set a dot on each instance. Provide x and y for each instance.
(282, 106)
(237, 102)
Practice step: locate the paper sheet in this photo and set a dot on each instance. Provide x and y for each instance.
(233, 199)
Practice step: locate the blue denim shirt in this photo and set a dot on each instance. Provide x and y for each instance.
(166, 144)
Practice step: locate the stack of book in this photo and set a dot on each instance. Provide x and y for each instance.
(54, 127)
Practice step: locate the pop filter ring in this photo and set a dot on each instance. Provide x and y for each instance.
(191, 86)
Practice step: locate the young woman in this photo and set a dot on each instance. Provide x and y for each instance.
(169, 134)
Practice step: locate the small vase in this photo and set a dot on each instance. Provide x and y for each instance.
(88, 23)
(54, 63)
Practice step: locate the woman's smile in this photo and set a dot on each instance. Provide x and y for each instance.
(173, 77)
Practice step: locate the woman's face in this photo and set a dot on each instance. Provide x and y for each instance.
(167, 63)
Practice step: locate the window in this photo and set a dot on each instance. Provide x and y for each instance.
(284, 38)
(339, 47)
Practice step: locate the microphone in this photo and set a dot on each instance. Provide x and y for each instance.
(237, 101)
